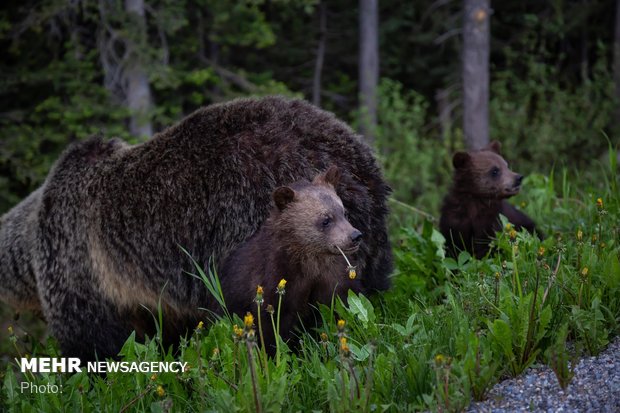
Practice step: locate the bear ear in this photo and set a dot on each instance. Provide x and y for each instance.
(460, 159)
(331, 176)
(283, 196)
(494, 146)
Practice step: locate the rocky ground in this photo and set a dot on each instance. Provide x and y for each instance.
(595, 388)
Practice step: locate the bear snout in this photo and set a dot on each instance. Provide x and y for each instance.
(356, 237)
(518, 180)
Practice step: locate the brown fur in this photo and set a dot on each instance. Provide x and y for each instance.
(295, 244)
(101, 238)
(470, 212)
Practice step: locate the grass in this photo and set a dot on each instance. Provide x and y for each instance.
(446, 332)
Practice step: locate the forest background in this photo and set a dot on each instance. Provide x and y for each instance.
(420, 80)
(71, 69)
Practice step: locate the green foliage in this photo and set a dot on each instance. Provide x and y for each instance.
(558, 358)
(417, 167)
(447, 331)
(540, 121)
(449, 328)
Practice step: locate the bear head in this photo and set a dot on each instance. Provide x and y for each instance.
(312, 219)
(485, 173)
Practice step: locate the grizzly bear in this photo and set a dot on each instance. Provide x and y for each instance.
(470, 212)
(104, 235)
(299, 241)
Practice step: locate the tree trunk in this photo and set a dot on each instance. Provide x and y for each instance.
(617, 64)
(368, 67)
(138, 90)
(476, 40)
(320, 55)
(442, 97)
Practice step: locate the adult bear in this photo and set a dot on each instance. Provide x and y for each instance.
(110, 218)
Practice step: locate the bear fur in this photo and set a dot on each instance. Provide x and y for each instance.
(470, 212)
(103, 235)
(299, 242)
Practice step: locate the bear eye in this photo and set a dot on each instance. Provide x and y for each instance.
(495, 171)
(326, 222)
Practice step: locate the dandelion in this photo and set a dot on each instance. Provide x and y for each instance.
(216, 352)
(599, 203)
(160, 391)
(594, 238)
(508, 227)
(341, 323)
(584, 272)
(324, 337)
(248, 320)
(200, 325)
(153, 377)
(523, 204)
(439, 359)
(237, 332)
(270, 309)
(280, 290)
(579, 235)
(344, 347)
(541, 251)
(251, 335)
(10, 328)
(512, 234)
(497, 275)
(350, 268)
(259, 302)
(259, 295)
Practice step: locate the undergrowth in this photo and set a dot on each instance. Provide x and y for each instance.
(441, 337)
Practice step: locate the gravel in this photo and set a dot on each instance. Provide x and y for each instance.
(595, 388)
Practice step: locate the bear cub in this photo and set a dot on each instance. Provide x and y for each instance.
(298, 242)
(470, 212)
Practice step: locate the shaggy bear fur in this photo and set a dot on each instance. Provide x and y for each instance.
(470, 211)
(102, 236)
(299, 242)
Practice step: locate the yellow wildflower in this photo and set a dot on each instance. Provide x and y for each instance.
(585, 271)
(153, 377)
(282, 284)
(270, 309)
(10, 328)
(439, 359)
(579, 235)
(251, 335)
(599, 203)
(341, 324)
(160, 391)
(512, 234)
(200, 325)
(259, 295)
(323, 337)
(352, 273)
(237, 331)
(248, 320)
(541, 251)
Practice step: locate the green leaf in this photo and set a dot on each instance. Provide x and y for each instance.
(361, 307)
